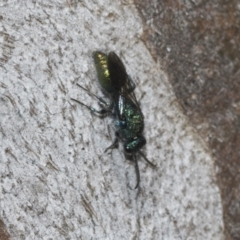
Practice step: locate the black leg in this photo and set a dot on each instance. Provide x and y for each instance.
(100, 113)
(101, 100)
(106, 107)
(114, 144)
(144, 157)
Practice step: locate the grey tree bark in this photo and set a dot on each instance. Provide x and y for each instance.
(56, 180)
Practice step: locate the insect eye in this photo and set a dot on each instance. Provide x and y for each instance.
(135, 145)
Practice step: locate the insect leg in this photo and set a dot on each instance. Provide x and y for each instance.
(145, 158)
(100, 113)
(114, 144)
(101, 100)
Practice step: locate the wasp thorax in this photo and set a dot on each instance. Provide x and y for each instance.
(134, 145)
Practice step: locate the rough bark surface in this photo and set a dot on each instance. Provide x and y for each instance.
(197, 42)
(56, 180)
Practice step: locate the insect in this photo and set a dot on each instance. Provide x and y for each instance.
(122, 105)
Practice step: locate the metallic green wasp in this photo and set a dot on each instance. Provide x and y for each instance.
(122, 105)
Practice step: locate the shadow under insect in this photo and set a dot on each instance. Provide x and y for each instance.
(123, 106)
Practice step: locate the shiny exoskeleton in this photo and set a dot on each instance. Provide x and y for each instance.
(117, 85)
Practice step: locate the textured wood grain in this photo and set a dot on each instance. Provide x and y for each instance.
(56, 180)
(198, 44)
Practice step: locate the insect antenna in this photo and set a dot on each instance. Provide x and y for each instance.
(137, 172)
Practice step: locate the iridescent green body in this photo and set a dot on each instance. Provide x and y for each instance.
(101, 63)
(129, 124)
(128, 117)
(123, 106)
